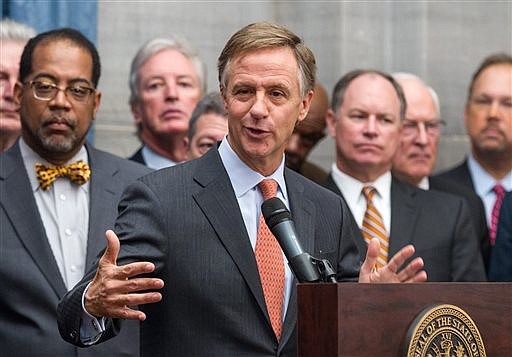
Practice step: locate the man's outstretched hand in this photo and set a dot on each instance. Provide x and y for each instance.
(391, 272)
(115, 288)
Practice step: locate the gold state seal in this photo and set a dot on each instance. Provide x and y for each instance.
(444, 331)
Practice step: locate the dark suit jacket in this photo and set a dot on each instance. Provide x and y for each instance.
(186, 220)
(137, 157)
(439, 226)
(459, 174)
(476, 208)
(30, 282)
(500, 268)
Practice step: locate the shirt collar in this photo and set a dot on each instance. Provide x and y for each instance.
(155, 161)
(30, 158)
(351, 188)
(242, 177)
(484, 182)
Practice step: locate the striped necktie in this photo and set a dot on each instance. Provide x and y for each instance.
(269, 259)
(373, 226)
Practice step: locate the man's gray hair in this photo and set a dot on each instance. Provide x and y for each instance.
(156, 45)
(15, 31)
(412, 77)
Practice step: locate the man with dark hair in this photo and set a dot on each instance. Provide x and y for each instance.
(306, 135)
(368, 108)
(59, 194)
(208, 125)
(488, 117)
(194, 229)
(13, 36)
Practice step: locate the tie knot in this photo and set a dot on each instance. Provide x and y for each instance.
(368, 192)
(499, 190)
(78, 172)
(268, 188)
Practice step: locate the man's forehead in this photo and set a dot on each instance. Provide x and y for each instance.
(371, 91)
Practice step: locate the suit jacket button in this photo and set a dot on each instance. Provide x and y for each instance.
(72, 334)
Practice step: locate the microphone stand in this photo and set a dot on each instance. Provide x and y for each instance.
(309, 269)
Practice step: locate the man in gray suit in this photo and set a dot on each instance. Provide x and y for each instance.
(193, 228)
(365, 119)
(51, 226)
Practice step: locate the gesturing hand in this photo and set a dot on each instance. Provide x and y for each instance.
(115, 288)
(391, 272)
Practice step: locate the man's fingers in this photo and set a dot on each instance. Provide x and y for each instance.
(399, 258)
(372, 253)
(112, 250)
(133, 269)
(128, 286)
(118, 306)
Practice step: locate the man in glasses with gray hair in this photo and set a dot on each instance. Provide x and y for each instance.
(415, 158)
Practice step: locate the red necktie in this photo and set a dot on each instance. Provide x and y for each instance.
(269, 259)
(495, 214)
(373, 226)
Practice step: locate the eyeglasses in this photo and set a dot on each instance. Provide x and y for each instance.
(48, 91)
(412, 127)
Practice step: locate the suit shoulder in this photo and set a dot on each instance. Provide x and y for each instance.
(125, 166)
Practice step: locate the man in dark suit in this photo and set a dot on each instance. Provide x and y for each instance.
(415, 158)
(488, 117)
(368, 108)
(167, 79)
(194, 227)
(306, 136)
(500, 268)
(51, 232)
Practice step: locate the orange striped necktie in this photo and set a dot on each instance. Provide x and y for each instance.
(269, 259)
(78, 172)
(373, 226)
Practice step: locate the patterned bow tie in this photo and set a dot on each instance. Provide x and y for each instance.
(78, 172)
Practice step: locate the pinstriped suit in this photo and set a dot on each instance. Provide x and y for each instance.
(187, 221)
(30, 282)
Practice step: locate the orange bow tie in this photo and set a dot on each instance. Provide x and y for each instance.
(78, 172)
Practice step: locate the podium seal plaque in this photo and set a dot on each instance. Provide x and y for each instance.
(444, 331)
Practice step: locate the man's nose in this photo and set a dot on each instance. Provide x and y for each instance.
(259, 108)
(171, 90)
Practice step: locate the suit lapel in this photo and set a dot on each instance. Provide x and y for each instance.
(303, 215)
(21, 208)
(404, 212)
(102, 203)
(218, 202)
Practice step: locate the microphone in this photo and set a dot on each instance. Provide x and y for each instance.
(279, 221)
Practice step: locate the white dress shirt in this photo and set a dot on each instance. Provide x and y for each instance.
(64, 210)
(484, 184)
(351, 189)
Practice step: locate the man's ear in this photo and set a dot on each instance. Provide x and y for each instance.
(18, 93)
(136, 112)
(97, 101)
(330, 119)
(304, 106)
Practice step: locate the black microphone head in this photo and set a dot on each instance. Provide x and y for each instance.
(274, 211)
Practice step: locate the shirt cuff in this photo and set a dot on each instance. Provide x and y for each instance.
(91, 328)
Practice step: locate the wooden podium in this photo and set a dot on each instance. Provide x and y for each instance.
(372, 320)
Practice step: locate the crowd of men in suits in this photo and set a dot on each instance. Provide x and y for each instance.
(186, 237)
